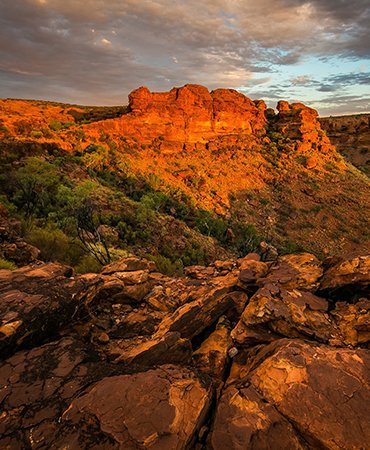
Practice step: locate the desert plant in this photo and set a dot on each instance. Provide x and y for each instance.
(7, 265)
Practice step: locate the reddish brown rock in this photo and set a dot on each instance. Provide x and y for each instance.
(323, 391)
(158, 409)
(148, 352)
(212, 356)
(302, 271)
(37, 386)
(36, 301)
(131, 264)
(353, 322)
(347, 280)
(300, 123)
(210, 302)
(273, 312)
(245, 421)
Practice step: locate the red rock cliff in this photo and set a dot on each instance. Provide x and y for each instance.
(190, 114)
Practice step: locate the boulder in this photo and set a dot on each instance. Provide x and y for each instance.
(302, 271)
(353, 321)
(36, 302)
(37, 386)
(204, 307)
(212, 356)
(347, 280)
(274, 312)
(162, 408)
(323, 391)
(244, 420)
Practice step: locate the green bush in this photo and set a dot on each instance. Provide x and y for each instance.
(55, 245)
(166, 266)
(88, 264)
(36, 134)
(7, 265)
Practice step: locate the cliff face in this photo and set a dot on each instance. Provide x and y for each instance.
(193, 115)
(190, 114)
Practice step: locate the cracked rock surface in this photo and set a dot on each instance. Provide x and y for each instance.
(240, 355)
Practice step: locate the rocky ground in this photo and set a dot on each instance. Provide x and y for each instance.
(264, 352)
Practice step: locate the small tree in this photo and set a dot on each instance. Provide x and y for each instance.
(88, 224)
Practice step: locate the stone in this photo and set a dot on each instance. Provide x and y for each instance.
(130, 264)
(210, 302)
(347, 280)
(37, 386)
(273, 312)
(163, 408)
(244, 420)
(302, 271)
(323, 391)
(353, 321)
(36, 302)
(212, 356)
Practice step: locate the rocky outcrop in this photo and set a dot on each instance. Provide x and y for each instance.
(12, 247)
(190, 114)
(351, 137)
(36, 301)
(300, 123)
(241, 354)
(191, 117)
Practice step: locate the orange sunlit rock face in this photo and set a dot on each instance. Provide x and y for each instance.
(190, 114)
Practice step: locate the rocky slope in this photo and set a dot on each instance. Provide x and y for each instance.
(260, 352)
(351, 136)
(219, 152)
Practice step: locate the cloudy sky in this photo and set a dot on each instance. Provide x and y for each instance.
(97, 51)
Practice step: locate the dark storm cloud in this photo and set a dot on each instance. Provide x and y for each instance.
(96, 51)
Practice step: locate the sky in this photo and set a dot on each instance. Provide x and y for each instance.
(94, 52)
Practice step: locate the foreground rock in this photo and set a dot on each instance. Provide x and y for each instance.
(273, 311)
(36, 301)
(292, 394)
(347, 278)
(159, 409)
(244, 354)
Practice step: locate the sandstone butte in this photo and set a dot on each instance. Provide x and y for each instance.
(192, 117)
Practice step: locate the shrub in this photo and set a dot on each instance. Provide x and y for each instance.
(55, 245)
(88, 264)
(55, 125)
(166, 266)
(36, 134)
(7, 265)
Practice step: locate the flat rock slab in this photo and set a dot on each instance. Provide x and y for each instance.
(158, 409)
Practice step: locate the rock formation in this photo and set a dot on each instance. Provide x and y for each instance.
(240, 354)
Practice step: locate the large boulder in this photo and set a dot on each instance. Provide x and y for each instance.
(37, 386)
(274, 312)
(292, 394)
(36, 301)
(162, 408)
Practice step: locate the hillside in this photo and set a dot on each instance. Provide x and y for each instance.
(185, 175)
